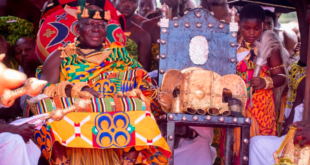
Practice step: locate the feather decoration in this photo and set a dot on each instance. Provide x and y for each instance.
(269, 42)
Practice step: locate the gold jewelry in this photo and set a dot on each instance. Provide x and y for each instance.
(63, 53)
(50, 91)
(269, 82)
(60, 89)
(283, 75)
(85, 13)
(276, 67)
(97, 15)
(77, 88)
(107, 15)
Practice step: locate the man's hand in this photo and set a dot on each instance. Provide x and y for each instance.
(302, 137)
(26, 131)
(92, 91)
(257, 83)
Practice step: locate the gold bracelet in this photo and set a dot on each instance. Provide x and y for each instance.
(283, 75)
(276, 67)
(269, 82)
(77, 88)
(50, 91)
(60, 89)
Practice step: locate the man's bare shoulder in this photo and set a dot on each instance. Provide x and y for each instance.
(150, 22)
(54, 58)
(138, 19)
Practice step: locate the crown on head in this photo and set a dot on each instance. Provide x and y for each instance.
(84, 12)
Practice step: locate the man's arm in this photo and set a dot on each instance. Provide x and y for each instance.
(26, 131)
(51, 68)
(145, 55)
(290, 41)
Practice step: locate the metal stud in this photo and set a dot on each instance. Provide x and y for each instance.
(210, 25)
(221, 119)
(184, 118)
(164, 30)
(164, 117)
(247, 120)
(187, 25)
(232, 44)
(163, 41)
(162, 56)
(186, 12)
(221, 26)
(199, 25)
(234, 34)
(162, 71)
(233, 60)
(195, 118)
(158, 24)
(245, 158)
(170, 137)
(199, 7)
(209, 117)
(212, 13)
(222, 20)
(176, 24)
(235, 120)
(198, 15)
(246, 141)
(170, 117)
(175, 18)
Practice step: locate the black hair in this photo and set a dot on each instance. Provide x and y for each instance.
(252, 11)
(268, 13)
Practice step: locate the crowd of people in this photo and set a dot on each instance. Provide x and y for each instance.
(275, 104)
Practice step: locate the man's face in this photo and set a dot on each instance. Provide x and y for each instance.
(126, 7)
(269, 24)
(146, 6)
(24, 48)
(173, 4)
(251, 29)
(92, 32)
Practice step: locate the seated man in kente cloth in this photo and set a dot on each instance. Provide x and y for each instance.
(124, 126)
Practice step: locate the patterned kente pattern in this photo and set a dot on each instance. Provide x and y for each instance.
(263, 110)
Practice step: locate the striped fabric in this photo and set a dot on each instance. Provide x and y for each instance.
(97, 104)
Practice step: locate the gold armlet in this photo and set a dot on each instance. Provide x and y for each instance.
(269, 82)
(283, 75)
(276, 67)
(77, 88)
(60, 89)
(50, 91)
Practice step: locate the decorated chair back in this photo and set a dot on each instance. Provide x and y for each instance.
(197, 39)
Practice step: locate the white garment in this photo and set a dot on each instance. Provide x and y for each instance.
(14, 151)
(298, 112)
(263, 147)
(197, 151)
